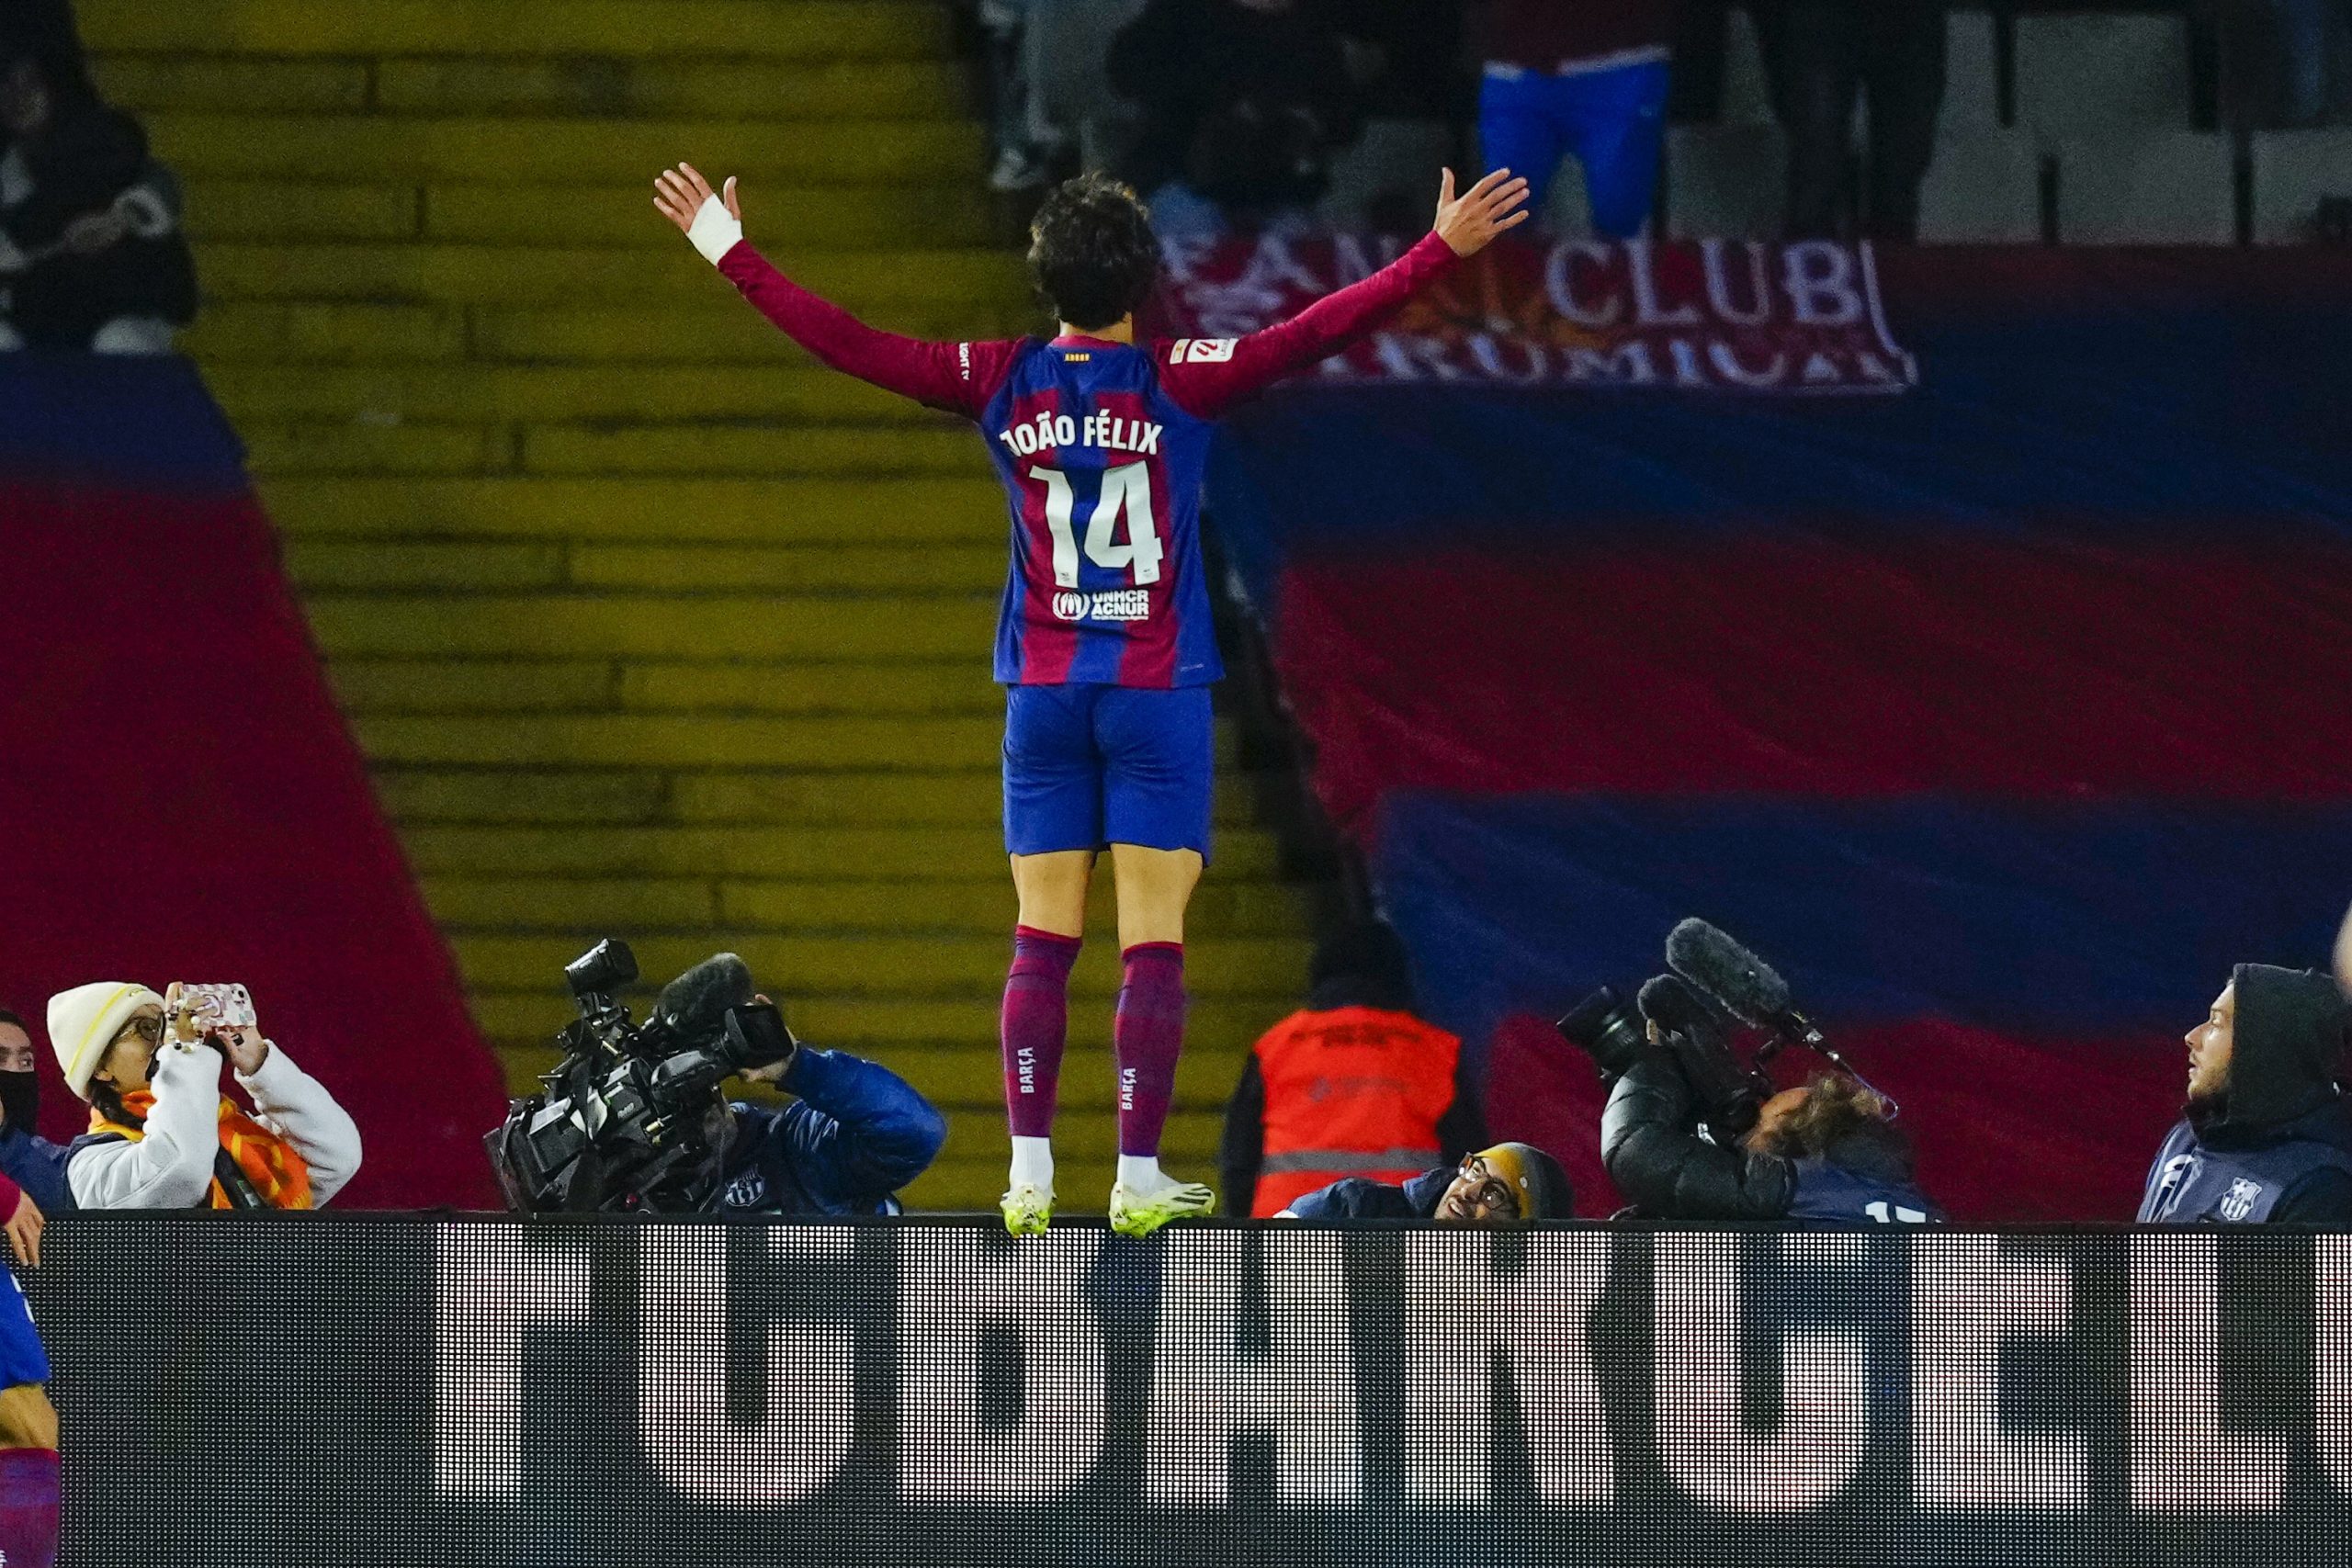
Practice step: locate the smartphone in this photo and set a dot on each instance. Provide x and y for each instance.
(201, 1010)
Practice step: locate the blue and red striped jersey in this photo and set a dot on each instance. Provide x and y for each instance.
(1102, 447)
(1104, 469)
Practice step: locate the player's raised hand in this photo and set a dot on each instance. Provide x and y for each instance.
(1470, 223)
(679, 194)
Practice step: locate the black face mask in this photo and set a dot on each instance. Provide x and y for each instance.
(20, 1100)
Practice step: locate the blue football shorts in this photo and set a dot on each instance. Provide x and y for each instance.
(1089, 766)
(21, 1357)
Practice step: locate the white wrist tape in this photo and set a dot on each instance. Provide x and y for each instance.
(714, 230)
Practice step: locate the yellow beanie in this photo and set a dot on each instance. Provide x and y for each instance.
(1534, 1179)
(83, 1021)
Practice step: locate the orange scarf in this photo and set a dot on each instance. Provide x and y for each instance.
(276, 1172)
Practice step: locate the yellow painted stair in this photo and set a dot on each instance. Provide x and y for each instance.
(648, 626)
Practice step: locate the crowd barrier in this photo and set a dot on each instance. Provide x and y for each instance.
(441, 1391)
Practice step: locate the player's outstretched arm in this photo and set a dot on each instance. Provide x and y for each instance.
(1465, 225)
(959, 377)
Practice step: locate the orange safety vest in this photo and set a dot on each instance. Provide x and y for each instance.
(1354, 1091)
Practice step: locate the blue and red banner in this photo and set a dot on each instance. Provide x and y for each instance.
(1720, 315)
(2004, 713)
(182, 801)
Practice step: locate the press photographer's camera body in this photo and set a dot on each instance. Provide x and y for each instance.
(634, 1119)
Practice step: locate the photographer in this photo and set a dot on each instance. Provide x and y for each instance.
(1823, 1155)
(634, 1118)
(856, 1133)
(1500, 1185)
(2266, 1139)
(163, 1136)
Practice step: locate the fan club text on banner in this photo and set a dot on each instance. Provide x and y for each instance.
(1716, 315)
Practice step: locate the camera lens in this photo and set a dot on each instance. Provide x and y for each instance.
(1605, 1027)
(607, 966)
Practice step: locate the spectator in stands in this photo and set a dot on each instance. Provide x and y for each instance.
(2288, 63)
(1243, 104)
(1820, 58)
(2266, 1139)
(1354, 1085)
(1586, 77)
(163, 1136)
(91, 254)
(45, 29)
(1407, 56)
(855, 1134)
(1023, 155)
(29, 1160)
(1505, 1185)
(1824, 1154)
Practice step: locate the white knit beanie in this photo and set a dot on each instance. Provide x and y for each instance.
(83, 1021)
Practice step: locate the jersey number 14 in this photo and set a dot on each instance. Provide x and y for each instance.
(1126, 492)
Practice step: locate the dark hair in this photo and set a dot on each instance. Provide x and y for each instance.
(1836, 1111)
(1091, 252)
(9, 1016)
(110, 1104)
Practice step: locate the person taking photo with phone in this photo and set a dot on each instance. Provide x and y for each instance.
(162, 1134)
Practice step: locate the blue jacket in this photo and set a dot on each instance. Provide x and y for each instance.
(1356, 1199)
(2276, 1146)
(856, 1132)
(2299, 1173)
(38, 1167)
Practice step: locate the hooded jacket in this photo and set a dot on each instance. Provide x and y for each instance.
(855, 1134)
(2276, 1146)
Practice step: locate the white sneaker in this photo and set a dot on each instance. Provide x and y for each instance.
(1017, 169)
(1027, 1209)
(1139, 1214)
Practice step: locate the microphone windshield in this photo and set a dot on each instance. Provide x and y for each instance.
(1742, 981)
(696, 1003)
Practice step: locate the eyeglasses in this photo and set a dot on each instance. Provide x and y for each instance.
(1493, 1192)
(150, 1031)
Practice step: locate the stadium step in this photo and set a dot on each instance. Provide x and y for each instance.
(454, 272)
(923, 514)
(535, 153)
(604, 86)
(710, 626)
(464, 393)
(648, 625)
(626, 797)
(970, 854)
(780, 30)
(516, 904)
(935, 964)
(619, 216)
(720, 331)
(473, 564)
(487, 686)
